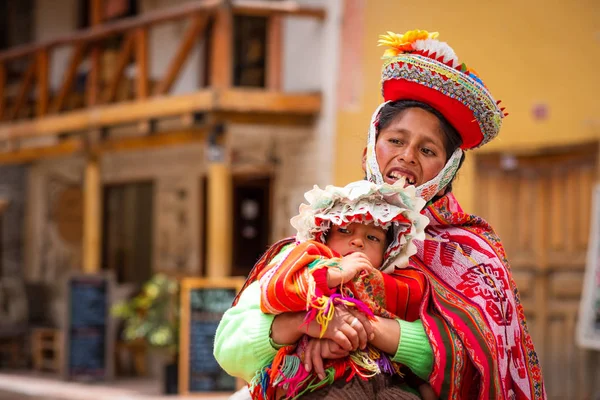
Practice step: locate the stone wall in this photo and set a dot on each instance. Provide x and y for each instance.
(13, 181)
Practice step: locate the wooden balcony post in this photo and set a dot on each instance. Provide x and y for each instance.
(96, 14)
(221, 47)
(274, 52)
(141, 78)
(42, 82)
(141, 57)
(219, 235)
(96, 7)
(92, 217)
(2, 89)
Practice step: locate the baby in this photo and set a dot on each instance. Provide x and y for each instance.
(346, 237)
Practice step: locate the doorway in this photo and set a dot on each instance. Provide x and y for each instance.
(251, 221)
(539, 203)
(128, 231)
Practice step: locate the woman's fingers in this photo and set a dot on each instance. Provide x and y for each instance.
(365, 324)
(352, 334)
(342, 340)
(361, 332)
(331, 349)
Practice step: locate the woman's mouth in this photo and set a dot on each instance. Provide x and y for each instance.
(395, 175)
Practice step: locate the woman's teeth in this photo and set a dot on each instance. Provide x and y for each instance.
(396, 176)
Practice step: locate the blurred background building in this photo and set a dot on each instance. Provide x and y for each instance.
(146, 136)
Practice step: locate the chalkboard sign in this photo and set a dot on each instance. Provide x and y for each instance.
(203, 303)
(88, 345)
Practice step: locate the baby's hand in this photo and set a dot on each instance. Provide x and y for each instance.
(350, 266)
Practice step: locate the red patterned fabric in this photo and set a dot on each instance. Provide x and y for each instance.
(472, 312)
(285, 285)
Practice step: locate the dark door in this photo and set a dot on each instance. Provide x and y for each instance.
(127, 231)
(251, 221)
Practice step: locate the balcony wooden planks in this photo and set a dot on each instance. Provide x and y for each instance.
(71, 113)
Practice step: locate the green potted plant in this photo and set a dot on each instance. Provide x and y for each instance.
(152, 316)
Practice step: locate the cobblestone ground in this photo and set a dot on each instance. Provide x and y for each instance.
(15, 396)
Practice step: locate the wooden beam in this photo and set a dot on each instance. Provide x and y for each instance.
(2, 89)
(257, 100)
(69, 77)
(100, 116)
(192, 35)
(268, 8)
(221, 57)
(71, 146)
(113, 28)
(122, 61)
(274, 52)
(24, 91)
(148, 142)
(92, 216)
(141, 57)
(265, 118)
(42, 83)
(29, 154)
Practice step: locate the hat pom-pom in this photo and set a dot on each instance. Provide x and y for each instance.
(399, 44)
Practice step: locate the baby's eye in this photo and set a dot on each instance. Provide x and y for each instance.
(343, 230)
(373, 238)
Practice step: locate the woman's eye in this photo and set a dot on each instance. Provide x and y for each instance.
(373, 238)
(395, 141)
(427, 151)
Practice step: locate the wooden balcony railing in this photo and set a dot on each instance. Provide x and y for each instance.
(99, 98)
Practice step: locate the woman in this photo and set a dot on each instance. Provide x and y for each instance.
(471, 340)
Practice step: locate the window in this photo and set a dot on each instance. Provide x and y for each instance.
(249, 52)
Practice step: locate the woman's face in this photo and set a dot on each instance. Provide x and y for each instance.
(412, 146)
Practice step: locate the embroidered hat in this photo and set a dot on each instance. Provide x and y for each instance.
(388, 206)
(419, 67)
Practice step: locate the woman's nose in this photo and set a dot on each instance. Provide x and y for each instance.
(408, 154)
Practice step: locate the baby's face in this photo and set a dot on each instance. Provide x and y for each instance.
(367, 239)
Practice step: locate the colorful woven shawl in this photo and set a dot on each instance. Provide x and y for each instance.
(472, 312)
(297, 281)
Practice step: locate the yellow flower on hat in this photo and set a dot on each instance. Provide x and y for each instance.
(401, 43)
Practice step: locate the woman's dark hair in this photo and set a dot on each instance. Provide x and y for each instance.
(452, 139)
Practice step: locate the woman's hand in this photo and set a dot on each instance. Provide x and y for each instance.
(349, 328)
(318, 350)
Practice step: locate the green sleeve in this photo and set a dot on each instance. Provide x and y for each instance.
(242, 343)
(414, 349)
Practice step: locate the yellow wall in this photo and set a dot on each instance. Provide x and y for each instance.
(526, 52)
